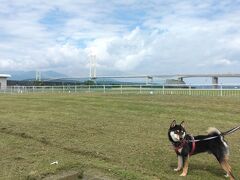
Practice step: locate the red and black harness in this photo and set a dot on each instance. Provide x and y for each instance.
(183, 143)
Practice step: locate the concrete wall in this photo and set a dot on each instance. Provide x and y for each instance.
(3, 83)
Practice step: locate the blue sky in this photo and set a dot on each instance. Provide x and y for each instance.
(128, 37)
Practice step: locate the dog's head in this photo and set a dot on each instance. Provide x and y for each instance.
(176, 132)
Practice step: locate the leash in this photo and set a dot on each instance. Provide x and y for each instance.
(206, 139)
(213, 137)
(230, 131)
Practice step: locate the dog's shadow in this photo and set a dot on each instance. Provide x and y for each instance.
(194, 167)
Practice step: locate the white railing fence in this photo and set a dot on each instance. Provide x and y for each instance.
(173, 89)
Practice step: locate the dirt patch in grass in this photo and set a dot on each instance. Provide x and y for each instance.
(94, 174)
(90, 174)
(66, 175)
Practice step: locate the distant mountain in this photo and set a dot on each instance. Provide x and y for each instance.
(31, 75)
(26, 77)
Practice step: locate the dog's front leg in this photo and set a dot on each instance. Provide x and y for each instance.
(180, 163)
(185, 166)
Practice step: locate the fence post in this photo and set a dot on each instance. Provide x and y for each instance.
(121, 89)
(140, 89)
(221, 90)
(89, 88)
(163, 89)
(190, 92)
(104, 89)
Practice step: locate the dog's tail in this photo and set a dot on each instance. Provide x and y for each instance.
(216, 134)
(230, 131)
(215, 131)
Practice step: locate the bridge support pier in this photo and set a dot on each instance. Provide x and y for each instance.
(149, 80)
(180, 79)
(215, 82)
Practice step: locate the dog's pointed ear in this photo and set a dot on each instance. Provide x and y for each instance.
(173, 124)
(182, 124)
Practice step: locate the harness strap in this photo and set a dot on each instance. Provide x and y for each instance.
(193, 146)
(176, 148)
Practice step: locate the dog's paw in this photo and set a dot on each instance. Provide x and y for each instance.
(183, 174)
(226, 175)
(177, 169)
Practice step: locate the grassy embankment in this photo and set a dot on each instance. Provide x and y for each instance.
(120, 136)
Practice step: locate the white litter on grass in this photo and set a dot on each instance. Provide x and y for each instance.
(151, 92)
(55, 162)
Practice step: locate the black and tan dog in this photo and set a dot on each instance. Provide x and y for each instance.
(186, 145)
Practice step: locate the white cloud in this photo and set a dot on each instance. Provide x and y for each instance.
(6, 63)
(218, 63)
(122, 53)
(224, 62)
(64, 54)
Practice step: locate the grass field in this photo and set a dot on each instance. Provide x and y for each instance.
(109, 135)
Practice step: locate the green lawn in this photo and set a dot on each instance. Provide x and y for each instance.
(120, 136)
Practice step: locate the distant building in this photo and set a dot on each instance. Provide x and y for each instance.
(3, 81)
